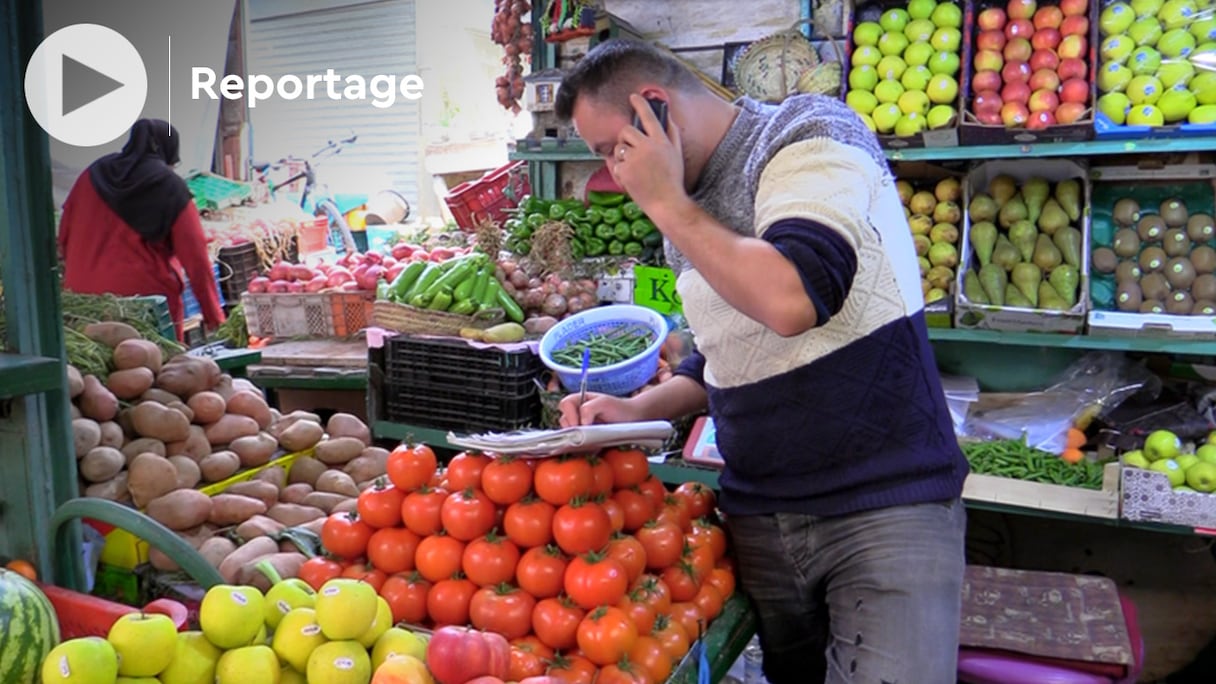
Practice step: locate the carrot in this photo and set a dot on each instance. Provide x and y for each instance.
(1076, 438)
(1072, 455)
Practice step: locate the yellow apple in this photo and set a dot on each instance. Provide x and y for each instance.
(346, 608)
(248, 665)
(402, 669)
(137, 680)
(290, 676)
(384, 620)
(397, 641)
(144, 642)
(88, 660)
(340, 662)
(297, 636)
(285, 595)
(231, 616)
(193, 662)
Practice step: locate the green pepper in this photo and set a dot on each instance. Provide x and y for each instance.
(512, 224)
(577, 251)
(621, 231)
(523, 232)
(533, 204)
(441, 301)
(593, 215)
(557, 212)
(654, 239)
(536, 220)
(616, 247)
(604, 231)
(631, 210)
(523, 248)
(596, 247)
(633, 248)
(606, 199)
(576, 212)
(640, 228)
(612, 216)
(584, 230)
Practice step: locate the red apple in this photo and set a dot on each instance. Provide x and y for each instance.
(1070, 112)
(1074, 46)
(1043, 101)
(1015, 92)
(1048, 17)
(1018, 50)
(990, 40)
(1019, 28)
(1015, 72)
(986, 80)
(1021, 9)
(987, 101)
(1040, 120)
(989, 118)
(988, 60)
(1073, 67)
(1075, 26)
(1014, 114)
(1044, 79)
(1045, 39)
(1044, 59)
(992, 19)
(1075, 90)
(1074, 8)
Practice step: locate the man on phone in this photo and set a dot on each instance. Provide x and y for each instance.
(842, 476)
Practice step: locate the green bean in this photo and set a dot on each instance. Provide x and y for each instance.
(1015, 459)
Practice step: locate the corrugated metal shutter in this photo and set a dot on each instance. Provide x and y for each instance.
(366, 38)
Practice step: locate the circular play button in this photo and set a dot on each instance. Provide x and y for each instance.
(86, 85)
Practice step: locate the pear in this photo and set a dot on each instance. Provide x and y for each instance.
(1046, 255)
(1035, 192)
(1068, 194)
(1068, 241)
(1052, 218)
(994, 280)
(1005, 254)
(944, 232)
(940, 277)
(982, 208)
(1064, 280)
(1050, 299)
(1014, 297)
(1026, 277)
(1023, 235)
(920, 224)
(1002, 188)
(983, 240)
(1013, 211)
(972, 288)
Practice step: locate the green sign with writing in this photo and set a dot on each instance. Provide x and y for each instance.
(654, 287)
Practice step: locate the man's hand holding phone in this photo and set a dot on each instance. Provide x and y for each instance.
(648, 162)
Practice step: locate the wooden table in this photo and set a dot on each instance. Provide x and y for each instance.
(315, 374)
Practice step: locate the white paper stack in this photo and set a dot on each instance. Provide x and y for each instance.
(541, 443)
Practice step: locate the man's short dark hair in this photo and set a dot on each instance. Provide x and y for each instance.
(613, 69)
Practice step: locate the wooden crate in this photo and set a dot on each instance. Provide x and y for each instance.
(1094, 503)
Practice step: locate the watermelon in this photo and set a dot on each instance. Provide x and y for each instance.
(28, 629)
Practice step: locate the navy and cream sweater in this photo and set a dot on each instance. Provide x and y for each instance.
(850, 415)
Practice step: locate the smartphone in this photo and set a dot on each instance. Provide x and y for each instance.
(659, 107)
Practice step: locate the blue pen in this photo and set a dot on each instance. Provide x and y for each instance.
(582, 382)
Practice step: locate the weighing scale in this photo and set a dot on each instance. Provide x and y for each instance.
(702, 446)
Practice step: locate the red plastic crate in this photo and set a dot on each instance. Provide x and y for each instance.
(82, 615)
(489, 196)
(352, 311)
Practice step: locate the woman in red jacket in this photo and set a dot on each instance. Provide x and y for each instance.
(130, 220)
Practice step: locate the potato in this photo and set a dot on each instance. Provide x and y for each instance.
(180, 509)
(160, 422)
(101, 464)
(347, 425)
(265, 492)
(539, 325)
(224, 387)
(232, 509)
(182, 408)
(250, 550)
(294, 514)
(96, 401)
(216, 549)
(195, 446)
(275, 475)
(303, 434)
(188, 472)
(219, 465)
(338, 451)
(208, 407)
(254, 450)
(336, 482)
(124, 421)
(75, 382)
(162, 562)
(159, 396)
(231, 427)
(186, 375)
(372, 463)
(325, 500)
(286, 563)
(295, 493)
(281, 425)
(144, 444)
(150, 476)
(244, 384)
(138, 353)
(86, 435)
(252, 404)
(112, 435)
(129, 384)
(74, 411)
(306, 469)
(114, 490)
(259, 526)
(110, 333)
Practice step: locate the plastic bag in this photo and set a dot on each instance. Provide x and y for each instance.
(1088, 389)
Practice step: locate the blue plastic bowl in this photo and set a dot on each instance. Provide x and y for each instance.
(618, 379)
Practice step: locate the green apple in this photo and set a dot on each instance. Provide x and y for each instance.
(1176, 104)
(919, 31)
(290, 676)
(867, 33)
(946, 39)
(918, 54)
(863, 77)
(1183, 489)
(296, 638)
(285, 595)
(194, 660)
(888, 91)
(397, 641)
(1212, 437)
(1202, 476)
(87, 660)
(944, 63)
(1177, 13)
(384, 620)
(866, 55)
(942, 89)
(1114, 77)
(1176, 43)
(947, 15)
(248, 664)
(885, 116)
(144, 642)
(869, 122)
(1144, 90)
(1185, 461)
(1169, 468)
(891, 67)
(1204, 29)
(1206, 453)
(1147, 8)
(861, 101)
(1145, 31)
(910, 124)
(137, 680)
(1144, 61)
(232, 616)
(1117, 49)
(1204, 87)
(1116, 18)
(1135, 459)
(894, 20)
(340, 662)
(345, 608)
(893, 43)
(916, 78)
(1145, 115)
(940, 116)
(1176, 72)
(1161, 445)
(921, 9)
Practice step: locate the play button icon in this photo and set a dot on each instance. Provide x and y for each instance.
(85, 85)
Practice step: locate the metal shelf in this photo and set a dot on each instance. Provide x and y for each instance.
(22, 375)
(1088, 342)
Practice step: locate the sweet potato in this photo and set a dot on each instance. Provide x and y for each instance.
(101, 464)
(295, 493)
(231, 427)
(195, 536)
(281, 425)
(216, 549)
(180, 509)
(129, 384)
(219, 465)
(324, 500)
(114, 489)
(195, 446)
(110, 333)
(138, 353)
(250, 550)
(161, 561)
(112, 435)
(183, 409)
(258, 526)
(252, 404)
(86, 435)
(303, 434)
(159, 422)
(314, 526)
(338, 451)
(188, 472)
(275, 475)
(336, 482)
(254, 450)
(369, 465)
(144, 444)
(348, 506)
(96, 401)
(347, 425)
(294, 514)
(265, 492)
(150, 476)
(232, 509)
(186, 375)
(306, 469)
(287, 564)
(208, 407)
(159, 396)
(75, 382)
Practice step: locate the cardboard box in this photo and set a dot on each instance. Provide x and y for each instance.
(1148, 497)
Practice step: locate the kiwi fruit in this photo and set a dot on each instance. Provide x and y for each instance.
(1203, 258)
(1180, 273)
(1128, 296)
(1151, 228)
(1151, 306)
(1200, 227)
(1152, 259)
(1204, 287)
(1105, 260)
(1204, 308)
(1176, 242)
(1127, 270)
(1127, 243)
(1126, 212)
(1155, 286)
(1179, 303)
(1173, 212)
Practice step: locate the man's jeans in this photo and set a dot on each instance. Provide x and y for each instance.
(868, 598)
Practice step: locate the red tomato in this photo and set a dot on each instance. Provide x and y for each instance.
(448, 602)
(345, 535)
(689, 616)
(457, 654)
(630, 553)
(439, 557)
(636, 507)
(410, 466)
(623, 672)
(528, 658)
(701, 499)
(642, 613)
(593, 580)
(616, 514)
(572, 668)
(683, 581)
(541, 571)
(701, 559)
(650, 656)
(490, 560)
(672, 635)
(366, 573)
(392, 549)
(722, 580)
(555, 621)
(654, 488)
(601, 476)
(629, 466)
(529, 522)
(709, 601)
(464, 470)
(544, 679)
(663, 542)
(657, 593)
(406, 597)
(581, 527)
(675, 509)
(606, 635)
(468, 514)
(504, 609)
(506, 480)
(319, 570)
(559, 480)
(380, 504)
(705, 533)
(420, 510)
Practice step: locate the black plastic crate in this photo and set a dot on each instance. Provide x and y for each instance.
(238, 265)
(460, 409)
(509, 383)
(404, 353)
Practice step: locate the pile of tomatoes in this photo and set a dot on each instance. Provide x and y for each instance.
(588, 565)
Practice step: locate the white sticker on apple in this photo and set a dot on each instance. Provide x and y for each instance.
(311, 629)
(344, 663)
(239, 598)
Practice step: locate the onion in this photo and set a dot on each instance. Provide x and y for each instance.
(567, 289)
(590, 299)
(277, 286)
(509, 288)
(575, 305)
(258, 284)
(279, 271)
(554, 305)
(520, 280)
(295, 287)
(534, 282)
(534, 299)
(508, 267)
(317, 283)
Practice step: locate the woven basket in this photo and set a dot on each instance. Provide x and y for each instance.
(775, 67)
(408, 319)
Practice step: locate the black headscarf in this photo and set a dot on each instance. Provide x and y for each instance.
(139, 183)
